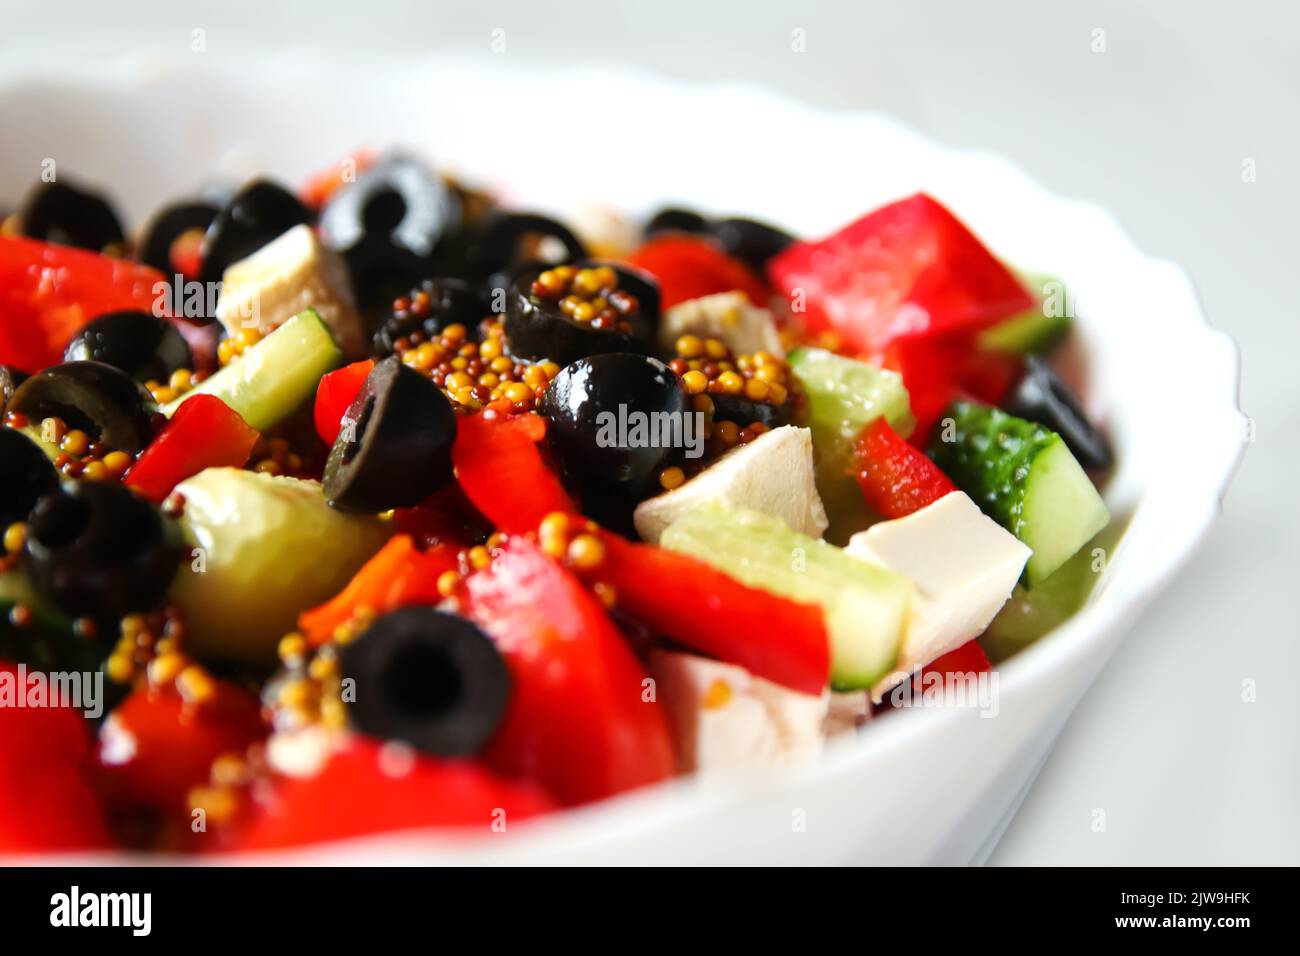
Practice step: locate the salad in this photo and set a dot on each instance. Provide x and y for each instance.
(379, 505)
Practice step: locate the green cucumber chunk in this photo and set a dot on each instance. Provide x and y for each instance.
(864, 604)
(844, 395)
(1024, 477)
(273, 378)
(265, 548)
(1036, 329)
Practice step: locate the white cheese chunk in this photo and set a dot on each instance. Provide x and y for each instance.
(964, 566)
(289, 274)
(724, 717)
(728, 316)
(772, 474)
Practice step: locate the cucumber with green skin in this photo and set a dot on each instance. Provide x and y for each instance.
(1034, 330)
(273, 378)
(1024, 477)
(843, 396)
(864, 605)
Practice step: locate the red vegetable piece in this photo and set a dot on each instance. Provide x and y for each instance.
(896, 478)
(204, 432)
(688, 267)
(48, 292)
(967, 659)
(335, 393)
(578, 721)
(502, 471)
(908, 268)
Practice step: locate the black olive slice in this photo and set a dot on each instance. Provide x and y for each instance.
(1042, 397)
(428, 309)
(99, 399)
(538, 329)
(426, 678)
(260, 212)
(58, 212)
(674, 219)
(144, 346)
(506, 241)
(97, 549)
(26, 473)
(394, 449)
(168, 225)
(10, 379)
(745, 411)
(616, 421)
(750, 241)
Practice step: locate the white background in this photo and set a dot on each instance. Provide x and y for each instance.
(1158, 128)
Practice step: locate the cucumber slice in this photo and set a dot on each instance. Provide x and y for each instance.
(1023, 476)
(844, 395)
(265, 548)
(864, 604)
(273, 378)
(1036, 329)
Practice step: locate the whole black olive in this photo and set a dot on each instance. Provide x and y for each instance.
(673, 219)
(58, 212)
(745, 411)
(750, 241)
(26, 473)
(97, 549)
(10, 379)
(506, 241)
(145, 347)
(168, 225)
(538, 328)
(394, 448)
(387, 224)
(617, 420)
(260, 212)
(426, 678)
(428, 309)
(99, 399)
(1042, 397)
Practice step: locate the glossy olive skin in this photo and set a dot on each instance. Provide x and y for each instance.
(145, 347)
(537, 330)
(62, 213)
(451, 302)
(388, 225)
(674, 219)
(585, 403)
(26, 473)
(750, 241)
(99, 399)
(96, 549)
(427, 678)
(394, 449)
(258, 213)
(1042, 397)
(169, 224)
(10, 379)
(496, 252)
(744, 411)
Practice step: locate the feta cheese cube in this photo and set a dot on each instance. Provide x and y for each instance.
(772, 474)
(964, 566)
(728, 316)
(287, 275)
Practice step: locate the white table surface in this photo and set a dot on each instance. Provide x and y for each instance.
(1157, 128)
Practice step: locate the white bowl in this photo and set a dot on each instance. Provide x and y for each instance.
(930, 786)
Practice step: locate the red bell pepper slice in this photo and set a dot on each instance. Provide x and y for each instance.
(334, 395)
(204, 432)
(358, 791)
(939, 370)
(48, 292)
(689, 267)
(578, 720)
(708, 611)
(399, 574)
(908, 268)
(46, 800)
(155, 746)
(967, 659)
(503, 473)
(896, 478)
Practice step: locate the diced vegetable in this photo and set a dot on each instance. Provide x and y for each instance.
(1033, 330)
(501, 470)
(896, 478)
(909, 268)
(271, 379)
(204, 433)
(864, 605)
(689, 267)
(334, 394)
(1023, 476)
